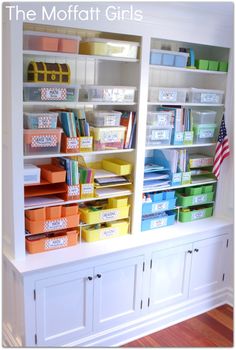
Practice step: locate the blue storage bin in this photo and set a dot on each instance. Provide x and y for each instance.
(155, 57)
(168, 195)
(156, 197)
(168, 59)
(178, 138)
(159, 221)
(176, 179)
(158, 207)
(181, 59)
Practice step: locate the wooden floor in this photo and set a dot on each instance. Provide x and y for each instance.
(211, 329)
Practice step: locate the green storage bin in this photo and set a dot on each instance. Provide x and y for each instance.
(196, 214)
(185, 201)
(207, 189)
(213, 65)
(192, 191)
(223, 66)
(202, 64)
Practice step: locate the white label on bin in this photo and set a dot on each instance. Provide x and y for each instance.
(110, 136)
(110, 120)
(160, 206)
(44, 141)
(56, 243)
(209, 98)
(179, 136)
(169, 96)
(72, 143)
(86, 188)
(188, 136)
(109, 215)
(86, 142)
(73, 191)
(160, 135)
(206, 133)
(162, 119)
(45, 122)
(200, 199)
(56, 224)
(109, 232)
(158, 222)
(55, 94)
(176, 177)
(199, 214)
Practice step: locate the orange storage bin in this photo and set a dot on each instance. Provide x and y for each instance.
(69, 144)
(36, 214)
(53, 173)
(40, 41)
(69, 44)
(51, 241)
(62, 223)
(72, 192)
(53, 212)
(69, 209)
(41, 141)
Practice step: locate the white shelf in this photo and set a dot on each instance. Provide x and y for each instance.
(185, 104)
(76, 104)
(53, 155)
(187, 70)
(129, 193)
(180, 186)
(180, 146)
(79, 57)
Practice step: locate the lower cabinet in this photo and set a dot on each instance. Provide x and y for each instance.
(64, 306)
(187, 271)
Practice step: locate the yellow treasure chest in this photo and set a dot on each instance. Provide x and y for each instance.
(46, 72)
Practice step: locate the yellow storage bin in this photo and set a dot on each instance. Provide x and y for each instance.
(109, 47)
(118, 202)
(86, 143)
(117, 166)
(87, 190)
(89, 216)
(108, 137)
(111, 230)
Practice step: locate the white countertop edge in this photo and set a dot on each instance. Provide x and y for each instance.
(82, 252)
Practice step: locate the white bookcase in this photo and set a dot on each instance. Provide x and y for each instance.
(134, 268)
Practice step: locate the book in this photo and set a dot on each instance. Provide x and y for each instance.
(126, 120)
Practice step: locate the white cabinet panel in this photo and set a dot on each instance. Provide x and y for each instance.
(117, 292)
(64, 308)
(169, 276)
(207, 266)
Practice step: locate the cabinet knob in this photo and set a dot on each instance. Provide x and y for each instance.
(190, 251)
(90, 278)
(99, 275)
(196, 250)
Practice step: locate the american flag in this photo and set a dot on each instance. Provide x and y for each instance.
(222, 148)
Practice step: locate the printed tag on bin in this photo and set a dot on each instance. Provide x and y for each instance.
(200, 199)
(209, 98)
(160, 206)
(170, 96)
(53, 94)
(72, 142)
(109, 215)
(56, 243)
(109, 232)
(73, 191)
(56, 224)
(158, 222)
(86, 142)
(198, 214)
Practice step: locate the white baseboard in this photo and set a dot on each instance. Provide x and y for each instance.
(152, 323)
(230, 297)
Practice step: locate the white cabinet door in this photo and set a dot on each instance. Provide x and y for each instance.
(207, 266)
(64, 308)
(117, 292)
(169, 276)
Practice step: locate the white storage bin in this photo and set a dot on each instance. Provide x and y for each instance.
(43, 120)
(205, 96)
(167, 95)
(203, 117)
(103, 118)
(31, 174)
(50, 92)
(157, 136)
(159, 119)
(98, 93)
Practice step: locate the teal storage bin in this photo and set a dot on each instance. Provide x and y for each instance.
(168, 195)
